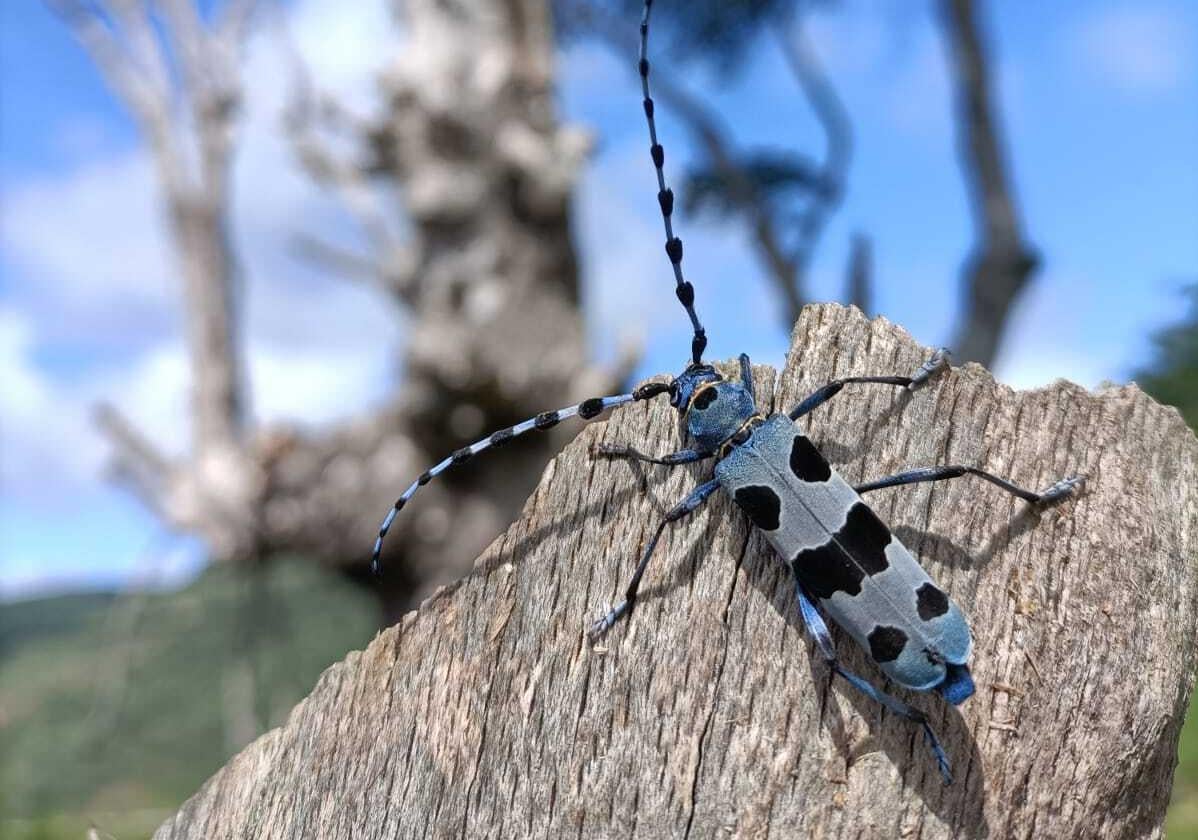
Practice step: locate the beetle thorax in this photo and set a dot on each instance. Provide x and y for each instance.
(717, 411)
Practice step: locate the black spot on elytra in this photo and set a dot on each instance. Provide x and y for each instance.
(839, 565)
(705, 398)
(865, 537)
(930, 602)
(827, 570)
(806, 462)
(886, 643)
(761, 503)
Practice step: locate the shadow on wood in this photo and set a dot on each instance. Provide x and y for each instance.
(486, 713)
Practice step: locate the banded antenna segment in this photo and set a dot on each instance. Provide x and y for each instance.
(586, 409)
(665, 199)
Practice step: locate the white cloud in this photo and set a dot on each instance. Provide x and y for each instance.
(50, 446)
(1137, 49)
(344, 52)
(45, 448)
(313, 387)
(90, 279)
(88, 247)
(153, 394)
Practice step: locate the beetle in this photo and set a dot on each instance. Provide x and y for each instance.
(845, 560)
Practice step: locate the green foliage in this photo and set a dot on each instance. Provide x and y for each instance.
(1173, 375)
(1173, 378)
(116, 709)
(23, 621)
(1182, 823)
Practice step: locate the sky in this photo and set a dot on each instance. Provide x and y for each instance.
(1098, 109)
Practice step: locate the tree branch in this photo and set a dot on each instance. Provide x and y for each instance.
(136, 462)
(838, 148)
(1002, 261)
(336, 258)
(305, 118)
(158, 60)
(860, 293)
(234, 25)
(785, 253)
(143, 89)
(781, 263)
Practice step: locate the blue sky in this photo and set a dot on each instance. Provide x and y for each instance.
(1098, 104)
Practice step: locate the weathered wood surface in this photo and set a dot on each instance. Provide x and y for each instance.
(486, 714)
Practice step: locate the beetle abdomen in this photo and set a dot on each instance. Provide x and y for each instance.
(845, 556)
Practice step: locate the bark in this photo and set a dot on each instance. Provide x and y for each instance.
(1001, 263)
(485, 713)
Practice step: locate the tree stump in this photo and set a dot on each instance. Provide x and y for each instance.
(486, 713)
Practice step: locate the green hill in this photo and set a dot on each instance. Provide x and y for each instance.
(114, 708)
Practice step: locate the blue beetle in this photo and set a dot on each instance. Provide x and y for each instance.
(844, 558)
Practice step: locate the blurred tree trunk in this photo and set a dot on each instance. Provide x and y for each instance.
(178, 76)
(487, 274)
(1002, 261)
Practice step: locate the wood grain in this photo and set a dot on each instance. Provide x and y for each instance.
(486, 714)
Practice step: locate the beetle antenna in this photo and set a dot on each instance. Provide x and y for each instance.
(545, 420)
(665, 198)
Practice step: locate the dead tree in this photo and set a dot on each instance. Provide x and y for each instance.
(486, 714)
(178, 77)
(1002, 261)
(487, 276)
